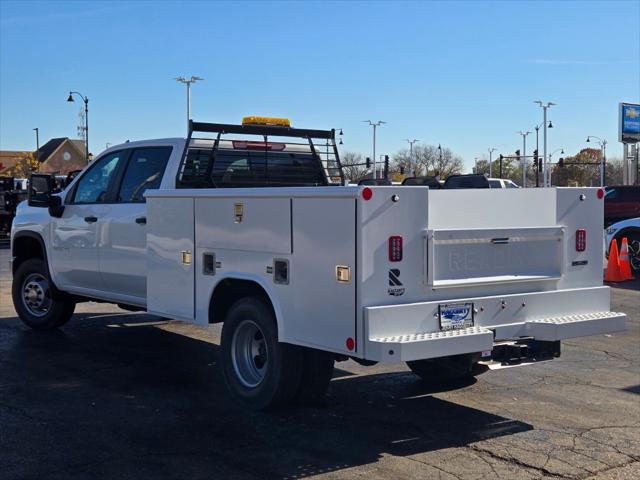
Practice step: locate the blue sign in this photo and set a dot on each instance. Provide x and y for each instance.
(629, 123)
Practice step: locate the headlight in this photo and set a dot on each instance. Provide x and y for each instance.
(611, 230)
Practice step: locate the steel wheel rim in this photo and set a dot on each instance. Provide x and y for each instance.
(36, 296)
(249, 354)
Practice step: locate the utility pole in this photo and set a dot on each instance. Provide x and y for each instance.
(491, 150)
(411, 142)
(37, 146)
(188, 83)
(524, 157)
(603, 156)
(374, 125)
(544, 107)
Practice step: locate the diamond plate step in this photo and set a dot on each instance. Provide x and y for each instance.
(578, 325)
(403, 348)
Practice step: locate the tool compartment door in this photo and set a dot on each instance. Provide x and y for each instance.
(170, 257)
(320, 309)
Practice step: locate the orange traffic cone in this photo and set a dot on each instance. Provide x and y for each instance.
(625, 266)
(613, 265)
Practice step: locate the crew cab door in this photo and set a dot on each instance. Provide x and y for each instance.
(123, 248)
(75, 237)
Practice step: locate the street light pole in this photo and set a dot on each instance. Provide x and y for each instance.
(86, 120)
(544, 110)
(491, 150)
(188, 83)
(411, 142)
(603, 157)
(37, 146)
(374, 125)
(524, 157)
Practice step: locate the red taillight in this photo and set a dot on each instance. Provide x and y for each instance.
(351, 343)
(395, 248)
(601, 193)
(581, 240)
(367, 193)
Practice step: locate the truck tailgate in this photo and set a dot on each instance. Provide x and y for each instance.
(465, 257)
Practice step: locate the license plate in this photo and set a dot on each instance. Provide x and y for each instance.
(455, 316)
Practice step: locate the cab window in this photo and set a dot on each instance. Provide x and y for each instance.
(144, 171)
(93, 187)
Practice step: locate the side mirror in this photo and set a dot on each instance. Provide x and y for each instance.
(39, 190)
(56, 209)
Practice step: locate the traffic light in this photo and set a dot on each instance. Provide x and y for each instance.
(368, 161)
(518, 154)
(561, 162)
(501, 157)
(401, 170)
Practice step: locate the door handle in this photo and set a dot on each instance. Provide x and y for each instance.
(91, 219)
(141, 220)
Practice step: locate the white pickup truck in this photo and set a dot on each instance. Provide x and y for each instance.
(262, 234)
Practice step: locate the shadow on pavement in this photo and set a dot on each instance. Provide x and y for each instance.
(94, 400)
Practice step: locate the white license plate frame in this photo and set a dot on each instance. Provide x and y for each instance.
(455, 316)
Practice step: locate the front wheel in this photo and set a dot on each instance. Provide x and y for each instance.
(445, 369)
(259, 371)
(35, 299)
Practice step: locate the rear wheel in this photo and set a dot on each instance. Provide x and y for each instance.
(445, 369)
(37, 302)
(259, 371)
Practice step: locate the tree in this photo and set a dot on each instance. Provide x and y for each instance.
(428, 160)
(581, 169)
(353, 166)
(25, 166)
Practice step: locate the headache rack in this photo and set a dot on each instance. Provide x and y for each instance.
(198, 163)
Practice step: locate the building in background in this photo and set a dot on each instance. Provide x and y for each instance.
(58, 155)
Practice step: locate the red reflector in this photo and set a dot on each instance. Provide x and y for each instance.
(600, 193)
(581, 240)
(395, 248)
(367, 193)
(244, 145)
(351, 344)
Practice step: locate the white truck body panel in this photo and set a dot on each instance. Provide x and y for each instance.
(515, 261)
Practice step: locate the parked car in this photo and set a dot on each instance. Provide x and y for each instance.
(466, 181)
(621, 202)
(629, 228)
(501, 183)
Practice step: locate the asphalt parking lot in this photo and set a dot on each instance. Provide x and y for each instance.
(131, 396)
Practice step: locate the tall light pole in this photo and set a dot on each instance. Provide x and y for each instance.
(551, 155)
(37, 146)
(603, 156)
(411, 142)
(374, 125)
(491, 150)
(545, 107)
(188, 83)
(86, 120)
(524, 157)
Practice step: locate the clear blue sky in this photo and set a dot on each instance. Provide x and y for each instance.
(463, 74)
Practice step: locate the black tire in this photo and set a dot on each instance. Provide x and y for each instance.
(317, 371)
(445, 369)
(36, 300)
(271, 376)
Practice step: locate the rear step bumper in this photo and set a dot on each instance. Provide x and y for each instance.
(419, 346)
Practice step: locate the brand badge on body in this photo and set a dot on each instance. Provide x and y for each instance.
(395, 285)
